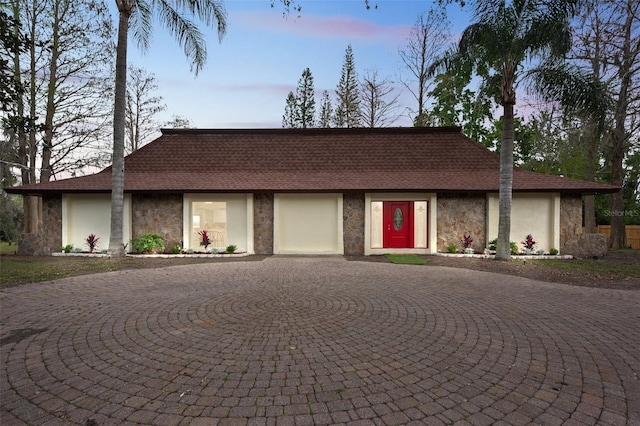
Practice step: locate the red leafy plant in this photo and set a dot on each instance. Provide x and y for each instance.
(466, 241)
(528, 242)
(204, 238)
(92, 242)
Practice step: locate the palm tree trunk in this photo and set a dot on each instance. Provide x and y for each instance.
(116, 247)
(503, 246)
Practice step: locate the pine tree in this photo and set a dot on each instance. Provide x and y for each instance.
(326, 111)
(347, 112)
(289, 119)
(305, 98)
(300, 109)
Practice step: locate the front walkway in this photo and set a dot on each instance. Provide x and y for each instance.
(300, 341)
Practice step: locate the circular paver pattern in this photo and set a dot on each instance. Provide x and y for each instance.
(300, 341)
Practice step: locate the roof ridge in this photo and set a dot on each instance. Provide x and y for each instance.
(312, 130)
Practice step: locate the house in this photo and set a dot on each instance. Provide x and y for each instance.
(314, 191)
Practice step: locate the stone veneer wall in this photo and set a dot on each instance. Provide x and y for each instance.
(157, 214)
(353, 223)
(570, 219)
(50, 239)
(460, 213)
(263, 223)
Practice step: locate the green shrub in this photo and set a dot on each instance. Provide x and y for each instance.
(553, 251)
(491, 245)
(452, 248)
(176, 249)
(231, 248)
(147, 243)
(67, 249)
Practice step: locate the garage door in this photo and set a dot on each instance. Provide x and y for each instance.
(308, 224)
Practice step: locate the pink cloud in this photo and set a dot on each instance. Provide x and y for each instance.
(326, 27)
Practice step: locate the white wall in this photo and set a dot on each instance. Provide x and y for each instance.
(84, 214)
(239, 218)
(537, 214)
(308, 224)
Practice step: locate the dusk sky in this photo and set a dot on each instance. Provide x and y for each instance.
(262, 56)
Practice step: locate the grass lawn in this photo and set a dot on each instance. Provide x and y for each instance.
(406, 259)
(17, 270)
(622, 270)
(5, 248)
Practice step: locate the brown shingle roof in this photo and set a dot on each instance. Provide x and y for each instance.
(241, 160)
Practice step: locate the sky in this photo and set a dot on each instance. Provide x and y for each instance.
(261, 58)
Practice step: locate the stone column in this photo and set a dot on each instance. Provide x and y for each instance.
(353, 206)
(263, 223)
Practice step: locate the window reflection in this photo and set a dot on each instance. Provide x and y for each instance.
(210, 216)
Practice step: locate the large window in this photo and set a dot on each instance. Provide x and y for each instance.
(212, 217)
(227, 218)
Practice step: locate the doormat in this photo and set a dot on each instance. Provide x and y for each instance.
(406, 259)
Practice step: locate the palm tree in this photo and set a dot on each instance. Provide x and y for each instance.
(504, 36)
(582, 94)
(174, 15)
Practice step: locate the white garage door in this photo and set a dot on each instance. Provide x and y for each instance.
(308, 224)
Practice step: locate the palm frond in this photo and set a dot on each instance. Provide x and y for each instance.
(573, 88)
(210, 12)
(186, 32)
(141, 24)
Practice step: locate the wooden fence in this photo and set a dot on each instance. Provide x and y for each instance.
(633, 234)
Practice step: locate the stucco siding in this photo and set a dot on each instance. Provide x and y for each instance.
(84, 214)
(537, 214)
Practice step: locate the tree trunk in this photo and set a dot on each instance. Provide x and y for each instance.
(619, 139)
(503, 246)
(32, 213)
(47, 143)
(30, 220)
(590, 226)
(618, 233)
(593, 142)
(116, 247)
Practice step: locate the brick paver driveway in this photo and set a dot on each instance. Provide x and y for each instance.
(300, 341)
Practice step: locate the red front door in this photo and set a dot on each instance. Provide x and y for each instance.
(398, 224)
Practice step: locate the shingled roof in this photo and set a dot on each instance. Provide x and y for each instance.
(438, 159)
